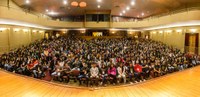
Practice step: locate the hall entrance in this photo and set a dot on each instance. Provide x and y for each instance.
(191, 43)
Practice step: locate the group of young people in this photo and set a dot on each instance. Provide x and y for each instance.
(97, 61)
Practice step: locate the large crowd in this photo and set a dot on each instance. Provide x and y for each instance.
(97, 61)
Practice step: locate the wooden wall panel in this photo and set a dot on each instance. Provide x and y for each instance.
(4, 40)
(10, 38)
(175, 39)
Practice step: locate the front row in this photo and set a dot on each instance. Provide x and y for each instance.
(114, 74)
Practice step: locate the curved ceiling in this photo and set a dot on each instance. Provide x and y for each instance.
(137, 9)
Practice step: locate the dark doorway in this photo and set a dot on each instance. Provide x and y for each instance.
(191, 43)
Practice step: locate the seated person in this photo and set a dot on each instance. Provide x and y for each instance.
(56, 72)
(157, 70)
(7, 66)
(112, 73)
(145, 71)
(103, 74)
(138, 73)
(84, 74)
(38, 71)
(66, 72)
(121, 71)
(170, 68)
(163, 68)
(94, 74)
(130, 72)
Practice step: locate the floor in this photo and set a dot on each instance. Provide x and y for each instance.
(180, 84)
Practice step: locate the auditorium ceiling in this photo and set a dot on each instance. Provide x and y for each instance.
(127, 8)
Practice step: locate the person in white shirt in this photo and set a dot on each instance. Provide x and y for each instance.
(121, 70)
(94, 74)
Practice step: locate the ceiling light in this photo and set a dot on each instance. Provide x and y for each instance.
(16, 30)
(83, 31)
(64, 2)
(82, 4)
(2, 29)
(25, 30)
(124, 11)
(99, 6)
(142, 14)
(27, 1)
(193, 30)
(127, 8)
(160, 32)
(52, 13)
(179, 30)
(169, 31)
(41, 31)
(74, 3)
(34, 31)
(99, 0)
(135, 20)
(132, 3)
(154, 32)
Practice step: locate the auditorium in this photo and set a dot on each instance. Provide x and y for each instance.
(99, 48)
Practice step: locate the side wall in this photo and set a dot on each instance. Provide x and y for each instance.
(12, 37)
(173, 37)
